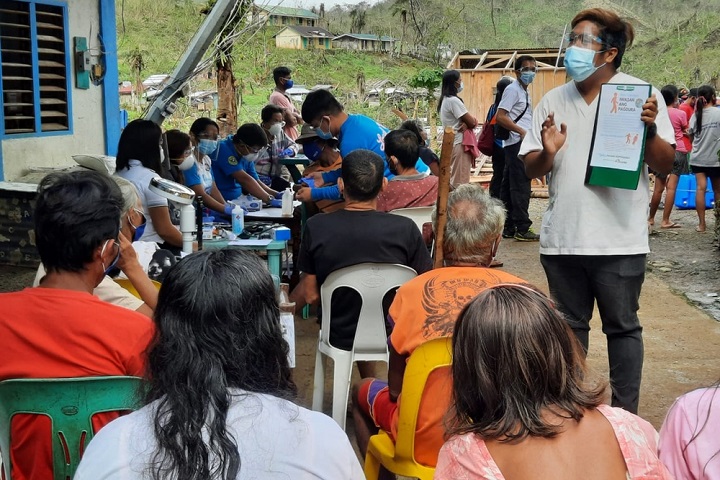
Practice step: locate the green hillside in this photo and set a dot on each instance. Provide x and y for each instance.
(159, 32)
(675, 43)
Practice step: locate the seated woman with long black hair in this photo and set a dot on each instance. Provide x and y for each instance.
(220, 389)
(139, 160)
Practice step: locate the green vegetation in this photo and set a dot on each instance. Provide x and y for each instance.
(674, 44)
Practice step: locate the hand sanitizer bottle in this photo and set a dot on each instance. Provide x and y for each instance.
(238, 220)
(287, 203)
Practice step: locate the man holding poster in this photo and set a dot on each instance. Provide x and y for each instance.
(593, 239)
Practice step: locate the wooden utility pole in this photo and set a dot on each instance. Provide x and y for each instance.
(443, 192)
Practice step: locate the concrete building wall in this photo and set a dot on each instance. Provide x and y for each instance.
(289, 39)
(88, 126)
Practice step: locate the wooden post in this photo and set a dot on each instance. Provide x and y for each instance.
(443, 192)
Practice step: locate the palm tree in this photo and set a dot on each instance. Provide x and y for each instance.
(399, 6)
(226, 82)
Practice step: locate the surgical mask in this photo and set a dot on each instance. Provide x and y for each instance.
(251, 157)
(579, 63)
(276, 129)
(162, 155)
(140, 229)
(139, 232)
(312, 150)
(115, 260)
(323, 134)
(289, 84)
(188, 163)
(527, 77)
(206, 147)
(427, 142)
(460, 88)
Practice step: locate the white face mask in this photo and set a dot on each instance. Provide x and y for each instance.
(162, 155)
(251, 157)
(188, 163)
(276, 129)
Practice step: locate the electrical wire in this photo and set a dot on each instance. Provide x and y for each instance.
(234, 21)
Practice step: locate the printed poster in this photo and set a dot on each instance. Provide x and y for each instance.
(619, 136)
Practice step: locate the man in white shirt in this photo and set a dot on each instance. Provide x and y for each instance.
(593, 239)
(514, 114)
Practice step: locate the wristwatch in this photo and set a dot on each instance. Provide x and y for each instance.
(651, 131)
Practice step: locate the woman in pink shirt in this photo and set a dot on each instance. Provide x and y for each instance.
(523, 405)
(689, 440)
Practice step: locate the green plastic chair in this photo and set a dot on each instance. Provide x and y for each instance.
(70, 403)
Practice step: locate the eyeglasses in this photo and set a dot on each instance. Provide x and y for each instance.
(585, 39)
(253, 149)
(207, 136)
(188, 151)
(528, 69)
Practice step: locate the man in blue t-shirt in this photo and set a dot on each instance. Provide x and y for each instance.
(233, 164)
(323, 111)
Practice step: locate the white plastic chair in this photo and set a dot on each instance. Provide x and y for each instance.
(372, 281)
(419, 215)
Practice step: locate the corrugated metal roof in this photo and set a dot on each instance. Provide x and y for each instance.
(366, 36)
(288, 11)
(307, 32)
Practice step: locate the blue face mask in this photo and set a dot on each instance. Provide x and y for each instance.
(312, 150)
(110, 267)
(323, 134)
(527, 77)
(139, 232)
(206, 147)
(580, 63)
(140, 229)
(289, 84)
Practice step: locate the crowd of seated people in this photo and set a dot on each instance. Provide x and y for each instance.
(525, 400)
(221, 401)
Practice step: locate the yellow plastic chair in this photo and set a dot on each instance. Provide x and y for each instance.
(70, 403)
(399, 457)
(127, 285)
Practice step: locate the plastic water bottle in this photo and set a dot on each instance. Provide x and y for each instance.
(238, 220)
(287, 203)
(287, 320)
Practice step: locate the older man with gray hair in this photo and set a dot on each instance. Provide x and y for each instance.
(426, 308)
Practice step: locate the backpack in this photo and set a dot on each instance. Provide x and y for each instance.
(486, 140)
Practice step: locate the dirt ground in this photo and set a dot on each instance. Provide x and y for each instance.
(680, 295)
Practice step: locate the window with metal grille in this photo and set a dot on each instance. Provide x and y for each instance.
(34, 66)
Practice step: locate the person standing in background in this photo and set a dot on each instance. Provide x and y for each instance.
(704, 159)
(514, 114)
(498, 156)
(680, 165)
(283, 82)
(454, 114)
(688, 106)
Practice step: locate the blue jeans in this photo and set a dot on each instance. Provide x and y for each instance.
(576, 282)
